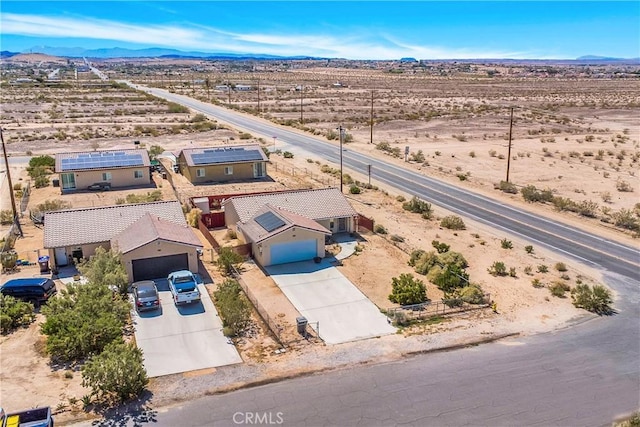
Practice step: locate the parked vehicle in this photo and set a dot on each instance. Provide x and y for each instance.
(36, 290)
(37, 417)
(183, 287)
(100, 186)
(145, 295)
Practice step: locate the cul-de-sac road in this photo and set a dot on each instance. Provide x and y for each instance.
(584, 375)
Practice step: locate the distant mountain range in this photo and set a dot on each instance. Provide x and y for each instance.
(117, 52)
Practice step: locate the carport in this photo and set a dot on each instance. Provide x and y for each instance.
(322, 294)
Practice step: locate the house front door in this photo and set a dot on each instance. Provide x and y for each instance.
(342, 224)
(258, 170)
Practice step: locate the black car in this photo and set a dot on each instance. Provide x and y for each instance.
(36, 290)
(100, 186)
(145, 295)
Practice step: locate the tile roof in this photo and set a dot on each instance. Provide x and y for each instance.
(224, 155)
(82, 226)
(103, 159)
(150, 228)
(317, 204)
(256, 233)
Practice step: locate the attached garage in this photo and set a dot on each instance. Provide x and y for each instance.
(278, 236)
(152, 248)
(159, 267)
(282, 253)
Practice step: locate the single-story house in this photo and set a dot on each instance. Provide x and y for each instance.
(327, 206)
(221, 164)
(278, 236)
(74, 234)
(152, 247)
(115, 168)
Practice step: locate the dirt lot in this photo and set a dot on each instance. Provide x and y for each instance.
(560, 127)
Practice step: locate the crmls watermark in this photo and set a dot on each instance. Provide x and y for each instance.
(258, 418)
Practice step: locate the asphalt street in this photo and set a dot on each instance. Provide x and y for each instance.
(587, 374)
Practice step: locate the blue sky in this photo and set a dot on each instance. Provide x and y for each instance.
(355, 30)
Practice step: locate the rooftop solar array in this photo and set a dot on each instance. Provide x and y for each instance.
(226, 155)
(101, 160)
(269, 221)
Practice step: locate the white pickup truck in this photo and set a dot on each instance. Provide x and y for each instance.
(183, 287)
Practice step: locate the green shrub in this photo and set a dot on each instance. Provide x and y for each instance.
(117, 374)
(354, 189)
(558, 289)
(416, 205)
(452, 222)
(452, 257)
(506, 244)
(596, 299)
(41, 181)
(14, 313)
(105, 268)
(561, 266)
(175, 108)
(379, 228)
(228, 259)
(415, 256)
(407, 290)
(234, 309)
(531, 194)
(498, 268)
(471, 294)
(536, 283)
(527, 270)
(542, 268)
(245, 135)
(440, 247)
(6, 217)
(426, 262)
(450, 278)
(396, 238)
(400, 199)
(528, 249)
(507, 187)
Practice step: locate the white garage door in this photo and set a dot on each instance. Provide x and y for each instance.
(303, 250)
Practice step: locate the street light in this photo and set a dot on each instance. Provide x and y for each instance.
(274, 143)
(341, 130)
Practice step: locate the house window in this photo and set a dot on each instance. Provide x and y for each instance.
(106, 176)
(228, 170)
(138, 174)
(331, 224)
(200, 172)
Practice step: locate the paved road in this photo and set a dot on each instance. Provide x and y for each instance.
(585, 375)
(582, 246)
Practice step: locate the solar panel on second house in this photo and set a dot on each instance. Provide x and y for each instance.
(101, 160)
(269, 221)
(226, 155)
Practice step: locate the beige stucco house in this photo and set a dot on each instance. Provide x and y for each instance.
(153, 246)
(278, 236)
(222, 164)
(326, 206)
(115, 168)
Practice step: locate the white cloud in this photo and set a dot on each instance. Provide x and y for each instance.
(208, 39)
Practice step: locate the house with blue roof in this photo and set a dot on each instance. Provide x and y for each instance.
(223, 164)
(103, 170)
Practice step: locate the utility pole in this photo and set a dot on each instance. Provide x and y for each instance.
(301, 101)
(259, 96)
(371, 120)
(16, 219)
(341, 130)
(509, 150)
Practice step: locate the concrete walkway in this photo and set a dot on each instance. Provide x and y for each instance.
(347, 245)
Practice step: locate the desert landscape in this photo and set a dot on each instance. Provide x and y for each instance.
(574, 135)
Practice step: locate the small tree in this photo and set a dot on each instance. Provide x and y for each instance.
(233, 306)
(416, 205)
(452, 222)
(194, 216)
(14, 313)
(116, 374)
(227, 259)
(105, 268)
(440, 247)
(407, 290)
(155, 151)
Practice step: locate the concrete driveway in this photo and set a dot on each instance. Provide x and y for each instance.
(322, 294)
(181, 339)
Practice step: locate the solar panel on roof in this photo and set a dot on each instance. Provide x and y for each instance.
(101, 160)
(226, 155)
(269, 221)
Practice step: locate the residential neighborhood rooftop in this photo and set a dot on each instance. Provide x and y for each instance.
(149, 228)
(317, 204)
(108, 159)
(271, 220)
(100, 224)
(224, 155)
